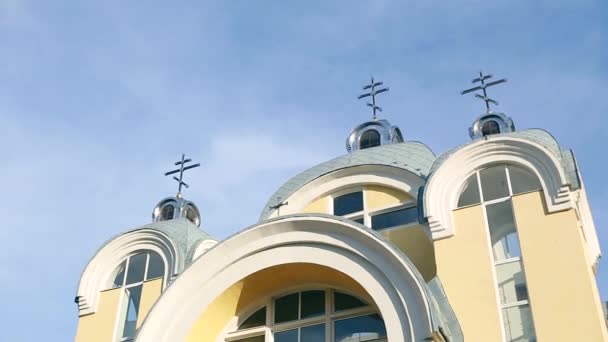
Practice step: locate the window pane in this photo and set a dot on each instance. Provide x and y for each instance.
(137, 267)
(313, 303)
(120, 275)
(494, 183)
(523, 180)
(470, 194)
(363, 328)
(518, 324)
(369, 138)
(511, 282)
(286, 336)
(286, 308)
(156, 266)
(314, 333)
(251, 339)
(395, 218)
(167, 212)
(503, 235)
(132, 299)
(359, 220)
(349, 203)
(342, 301)
(257, 319)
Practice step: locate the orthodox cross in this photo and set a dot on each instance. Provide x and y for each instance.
(373, 92)
(482, 79)
(181, 170)
(279, 205)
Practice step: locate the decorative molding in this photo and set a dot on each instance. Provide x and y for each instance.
(202, 247)
(445, 184)
(96, 275)
(391, 280)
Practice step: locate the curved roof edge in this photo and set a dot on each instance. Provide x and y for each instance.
(412, 156)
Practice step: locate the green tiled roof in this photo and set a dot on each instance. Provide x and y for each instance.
(412, 156)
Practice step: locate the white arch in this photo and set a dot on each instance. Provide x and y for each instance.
(96, 275)
(392, 281)
(388, 176)
(444, 185)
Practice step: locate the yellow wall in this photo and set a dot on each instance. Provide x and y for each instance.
(246, 292)
(416, 244)
(563, 293)
(320, 205)
(149, 294)
(99, 327)
(465, 267)
(378, 197)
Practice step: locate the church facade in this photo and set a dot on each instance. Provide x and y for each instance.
(490, 241)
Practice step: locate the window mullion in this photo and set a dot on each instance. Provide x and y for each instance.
(509, 181)
(146, 267)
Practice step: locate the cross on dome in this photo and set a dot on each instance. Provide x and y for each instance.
(482, 78)
(373, 92)
(181, 170)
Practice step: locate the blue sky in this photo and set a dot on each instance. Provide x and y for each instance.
(97, 98)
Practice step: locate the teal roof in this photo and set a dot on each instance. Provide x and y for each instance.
(412, 156)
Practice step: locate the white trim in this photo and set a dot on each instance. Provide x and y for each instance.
(96, 275)
(444, 185)
(392, 282)
(202, 247)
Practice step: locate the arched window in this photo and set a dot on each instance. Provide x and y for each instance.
(369, 138)
(167, 212)
(313, 316)
(493, 188)
(192, 216)
(131, 275)
(490, 127)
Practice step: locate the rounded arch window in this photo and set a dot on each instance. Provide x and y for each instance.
(130, 276)
(369, 138)
(192, 215)
(490, 127)
(313, 315)
(167, 212)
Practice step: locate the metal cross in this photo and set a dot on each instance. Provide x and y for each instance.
(279, 205)
(181, 170)
(482, 78)
(373, 92)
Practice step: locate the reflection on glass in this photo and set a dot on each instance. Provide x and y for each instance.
(156, 266)
(257, 319)
(523, 180)
(395, 218)
(503, 235)
(470, 194)
(313, 333)
(342, 301)
(363, 328)
(494, 183)
(120, 275)
(286, 308)
(132, 299)
(518, 324)
(511, 282)
(369, 138)
(167, 212)
(313, 303)
(137, 267)
(349, 203)
(286, 336)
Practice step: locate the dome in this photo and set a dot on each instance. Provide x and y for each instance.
(373, 133)
(176, 207)
(491, 123)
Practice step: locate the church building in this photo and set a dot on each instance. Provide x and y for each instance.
(492, 240)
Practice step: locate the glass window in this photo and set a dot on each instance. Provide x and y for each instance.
(494, 183)
(286, 336)
(257, 319)
(523, 180)
(359, 220)
(369, 139)
(470, 194)
(167, 212)
(156, 266)
(137, 267)
(518, 324)
(313, 333)
(120, 275)
(490, 127)
(342, 301)
(286, 308)
(395, 218)
(362, 328)
(313, 303)
(191, 215)
(510, 278)
(349, 203)
(503, 235)
(131, 305)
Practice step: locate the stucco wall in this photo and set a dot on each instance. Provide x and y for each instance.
(99, 327)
